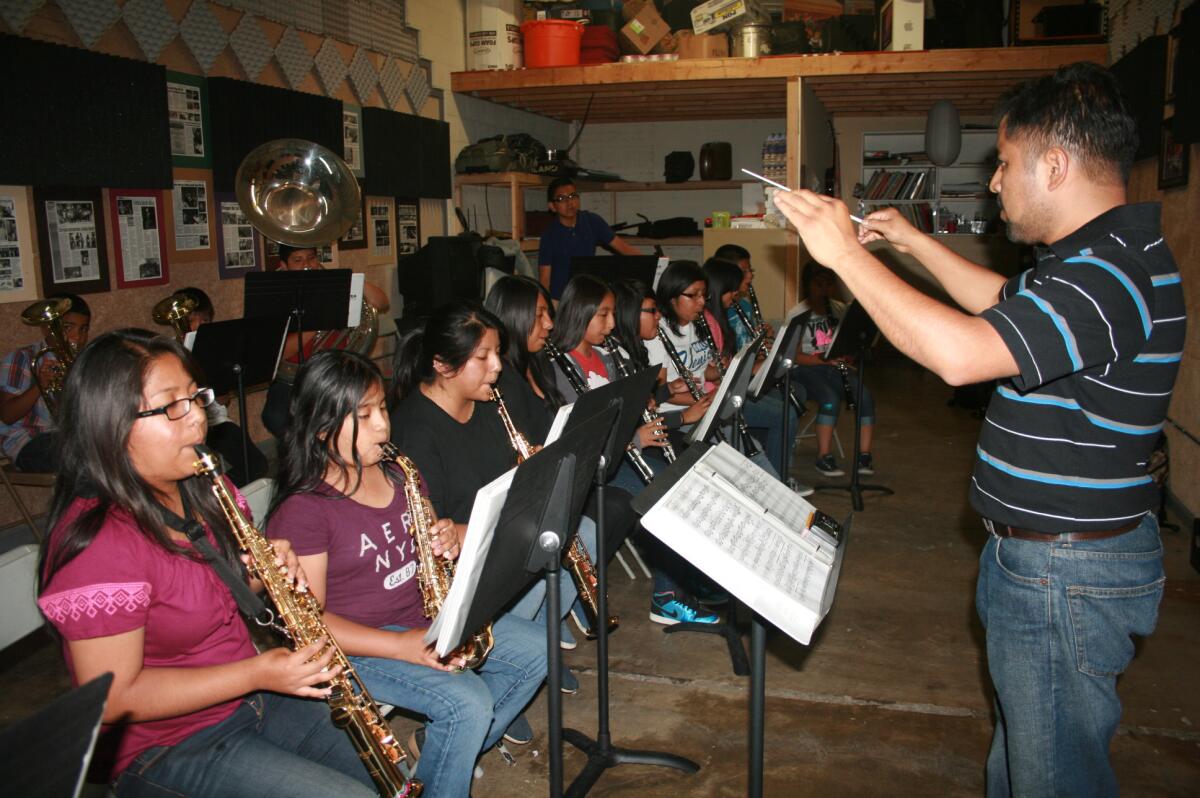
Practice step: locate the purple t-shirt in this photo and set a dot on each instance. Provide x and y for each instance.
(371, 576)
(122, 581)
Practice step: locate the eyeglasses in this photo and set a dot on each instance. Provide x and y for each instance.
(181, 407)
(695, 297)
(565, 197)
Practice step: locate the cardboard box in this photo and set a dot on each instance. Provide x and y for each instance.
(705, 45)
(632, 7)
(644, 31)
(716, 13)
(902, 25)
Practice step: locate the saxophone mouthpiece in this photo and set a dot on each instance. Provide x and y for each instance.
(206, 461)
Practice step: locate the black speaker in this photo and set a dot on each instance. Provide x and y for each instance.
(444, 269)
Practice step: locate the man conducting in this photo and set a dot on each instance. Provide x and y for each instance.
(1086, 346)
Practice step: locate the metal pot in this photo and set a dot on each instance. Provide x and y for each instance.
(751, 40)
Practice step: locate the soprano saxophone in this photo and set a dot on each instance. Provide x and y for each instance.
(575, 556)
(435, 573)
(350, 705)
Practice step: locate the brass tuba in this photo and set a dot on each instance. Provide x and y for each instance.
(174, 310)
(48, 313)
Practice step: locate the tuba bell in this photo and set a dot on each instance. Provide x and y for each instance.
(174, 311)
(47, 314)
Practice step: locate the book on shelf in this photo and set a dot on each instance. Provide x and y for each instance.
(897, 185)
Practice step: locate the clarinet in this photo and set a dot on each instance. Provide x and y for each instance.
(755, 309)
(573, 376)
(847, 391)
(648, 416)
(696, 392)
(350, 705)
(706, 333)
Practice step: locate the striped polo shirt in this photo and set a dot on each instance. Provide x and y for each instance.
(1097, 330)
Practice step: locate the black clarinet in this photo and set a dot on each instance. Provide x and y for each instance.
(706, 333)
(613, 344)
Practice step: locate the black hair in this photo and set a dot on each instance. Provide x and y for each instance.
(78, 304)
(328, 390)
(576, 308)
(629, 295)
(674, 281)
(555, 185)
(810, 272)
(732, 253)
(203, 303)
(286, 250)
(97, 411)
(723, 277)
(513, 300)
(1079, 108)
(450, 335)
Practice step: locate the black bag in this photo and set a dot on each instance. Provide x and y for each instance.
(669, 228)
(679, 166)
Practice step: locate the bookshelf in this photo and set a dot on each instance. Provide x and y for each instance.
(946, 200)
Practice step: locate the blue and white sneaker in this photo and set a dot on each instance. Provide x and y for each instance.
(670, 609)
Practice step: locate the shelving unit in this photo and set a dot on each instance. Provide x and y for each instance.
(974, 167)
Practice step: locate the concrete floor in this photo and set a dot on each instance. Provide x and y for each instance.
(891, 698)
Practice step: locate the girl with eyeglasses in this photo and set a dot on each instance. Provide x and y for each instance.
(193, 708)
(348, 516)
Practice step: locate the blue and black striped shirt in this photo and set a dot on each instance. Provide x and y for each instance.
(1097, 330)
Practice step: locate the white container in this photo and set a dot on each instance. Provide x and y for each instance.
(494, 34)
(902, 25)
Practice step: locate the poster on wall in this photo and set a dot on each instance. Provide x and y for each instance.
(381, 238)
(141, 238)
(191, 215)
(352, 150)
(408, 227)
(239, 245)
(187, 120)
(356, 236)
(16, 250)
(71, 238)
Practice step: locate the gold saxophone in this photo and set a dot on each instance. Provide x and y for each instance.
(435, 573)
(575, 556)
(350, 705)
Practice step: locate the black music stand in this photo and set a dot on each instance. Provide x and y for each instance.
(616, 267)
(630, 395)
(237, 353)
(315, 299)
(731, 395)
(777, 366)
(855, 334)
(47, 754)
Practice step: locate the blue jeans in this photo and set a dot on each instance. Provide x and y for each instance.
(1059, 620)
(767, 414)
(823, 384)
(272, 745)
(467, 712)
(532, 605)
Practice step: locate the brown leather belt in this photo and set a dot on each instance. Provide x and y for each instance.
(1005, 531)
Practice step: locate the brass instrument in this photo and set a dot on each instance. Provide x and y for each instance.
(350, 705)
(174, 310)
(48, 313)
(648, 416)
(360, 339)
(435, 573)
(706, 333)
(575, 556)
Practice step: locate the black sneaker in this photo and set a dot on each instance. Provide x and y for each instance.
(827, 466)
(864, 463)
(519, 732)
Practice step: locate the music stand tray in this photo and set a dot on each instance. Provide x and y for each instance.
(735, 384)
(318, 299)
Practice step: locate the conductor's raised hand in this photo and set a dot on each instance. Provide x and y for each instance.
(823, 223)
(888, 224)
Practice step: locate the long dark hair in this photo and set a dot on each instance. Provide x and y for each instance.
(450, 335)
(329, 388)
(513, 300)
(576, 308)
(98, 409)
(723, 277)
(674, 281)
(810, 272)
(629, 295)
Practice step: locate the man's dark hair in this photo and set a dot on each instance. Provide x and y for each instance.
(78, 305)
(1078, 108)
(286, 250)
(732, 253)
(555, 185)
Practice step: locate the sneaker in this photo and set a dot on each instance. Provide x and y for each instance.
(864, 463)
(566, 640)
(827, 466)
(519, 732)
(799, 488)
(669, 609)
(579, 619)
(569, 684)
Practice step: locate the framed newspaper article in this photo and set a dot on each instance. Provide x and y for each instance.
(190, 211)
(187, 118)
(239, 245)
(381, 230)
(17, 283)
(139, 237)
(74, 251)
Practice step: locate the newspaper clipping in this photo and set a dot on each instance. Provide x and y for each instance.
(74, 257)
(11, 276)
(191, 215)
(407, 236)
(238, 237)
(185, 120)
(350, 133)
(381, 226)
(137, 232)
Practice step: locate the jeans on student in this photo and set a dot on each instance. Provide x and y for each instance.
(532, 605)
(272, 745)
(767, 414)
(39, 455)
(467, 712)
(823, 384)
(1059, 620)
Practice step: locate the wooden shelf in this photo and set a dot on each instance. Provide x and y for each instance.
(531, 244)
(527, 180)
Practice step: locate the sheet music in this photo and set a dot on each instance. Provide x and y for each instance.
(357, 282)
(559, 423)
(756, 383)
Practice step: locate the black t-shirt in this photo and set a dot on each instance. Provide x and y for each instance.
(532, 414)
(455, 459)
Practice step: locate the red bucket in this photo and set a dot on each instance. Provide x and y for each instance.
(551, 42)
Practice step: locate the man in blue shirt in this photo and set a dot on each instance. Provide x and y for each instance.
(574, 233)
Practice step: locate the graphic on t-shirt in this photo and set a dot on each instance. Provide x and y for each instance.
(818, 334)
(394, 553)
